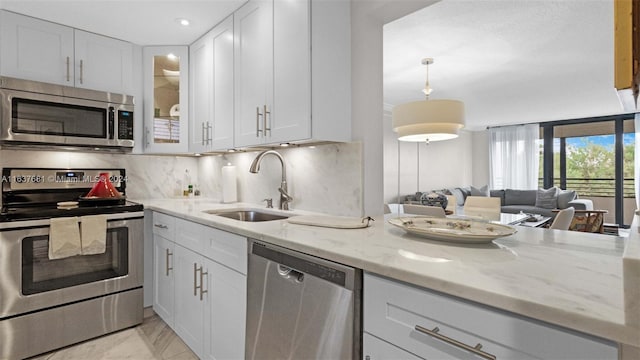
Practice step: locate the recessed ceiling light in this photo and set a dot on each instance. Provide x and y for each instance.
(183, 22)
(172, 56)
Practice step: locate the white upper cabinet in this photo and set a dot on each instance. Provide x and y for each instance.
(290, 55)
(103, 63)
(166, 94)
(39, 50)
(211, 68)
(253, 24)
(35, 50)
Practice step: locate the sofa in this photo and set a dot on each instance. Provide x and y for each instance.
(540, 201)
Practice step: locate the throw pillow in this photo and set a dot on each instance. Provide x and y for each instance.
(564, 197)
(483, 191)
(547, 198)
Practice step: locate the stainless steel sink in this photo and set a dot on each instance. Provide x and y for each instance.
(247, 215)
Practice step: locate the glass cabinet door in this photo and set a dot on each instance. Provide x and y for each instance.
(166, 74)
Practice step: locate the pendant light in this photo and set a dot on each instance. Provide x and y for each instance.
(428, 120)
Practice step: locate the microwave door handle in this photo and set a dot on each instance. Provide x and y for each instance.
(111, 125)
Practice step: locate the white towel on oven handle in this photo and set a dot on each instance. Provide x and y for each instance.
(64, 237)
(93, 231)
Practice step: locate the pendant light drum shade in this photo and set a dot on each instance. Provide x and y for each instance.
(428, 120)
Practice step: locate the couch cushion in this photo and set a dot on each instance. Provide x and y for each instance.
(564, 196)
(498, 194)
(520, 197)
(547, 198)
(483, 191)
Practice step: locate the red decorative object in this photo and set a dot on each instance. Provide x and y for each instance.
(104, 188)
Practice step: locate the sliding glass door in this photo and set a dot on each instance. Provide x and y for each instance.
(595, 157)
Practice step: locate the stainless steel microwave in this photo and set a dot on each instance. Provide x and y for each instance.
(35, 113)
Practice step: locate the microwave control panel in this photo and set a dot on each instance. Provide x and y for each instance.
(125, 125)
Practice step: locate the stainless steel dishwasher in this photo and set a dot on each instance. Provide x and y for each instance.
(301, 306)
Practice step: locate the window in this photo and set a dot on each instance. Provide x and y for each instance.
(595, 157)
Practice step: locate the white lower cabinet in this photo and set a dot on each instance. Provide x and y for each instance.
(200, 286)
(400, 318)
(225, 317)
(163, 278)
(190, 298)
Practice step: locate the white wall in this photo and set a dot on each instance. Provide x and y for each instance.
(367, 20)
(480, 159)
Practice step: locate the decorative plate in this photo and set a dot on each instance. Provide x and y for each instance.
(453, 230)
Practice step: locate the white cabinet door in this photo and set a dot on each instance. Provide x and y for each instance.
(190, 272)
(221, 127)
(253, 26)
(226, 313)
(163, 279)
(290, 117)
(211, 59)
(201, 68)
(103, 63)
(166, 94)
(376, 349)
(35, 50)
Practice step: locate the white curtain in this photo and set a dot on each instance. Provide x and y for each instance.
(514, 157)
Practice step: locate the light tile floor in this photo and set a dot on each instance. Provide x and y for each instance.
(151, 340)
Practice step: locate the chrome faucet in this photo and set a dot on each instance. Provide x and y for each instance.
(285, 198)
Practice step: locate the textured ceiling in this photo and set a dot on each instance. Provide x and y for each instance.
(142, 22)
(510, 61)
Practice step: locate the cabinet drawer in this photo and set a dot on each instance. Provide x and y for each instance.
(191, 236)
(164, 225)
(223, 247)
(393, 309)
(227, 249)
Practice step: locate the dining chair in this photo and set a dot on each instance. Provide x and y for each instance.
(482, 206)
(563, 219)
(452, 204)
(435, 211)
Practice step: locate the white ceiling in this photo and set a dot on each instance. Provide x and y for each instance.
(511, 62)
(142, 22)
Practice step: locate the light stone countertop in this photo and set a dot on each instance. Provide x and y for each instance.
(575, 280)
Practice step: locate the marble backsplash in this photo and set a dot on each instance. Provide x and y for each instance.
(325, 178)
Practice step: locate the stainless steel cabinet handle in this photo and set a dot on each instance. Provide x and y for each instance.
(209, 133)
(81, 71)
(68, 70)
(160, 226)
(475, 350)
(258, 130)
(167, 267)
(202, 291)
(203, 130)
(195, 279)
(267, 112)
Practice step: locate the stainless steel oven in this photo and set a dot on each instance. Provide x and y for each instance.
(50, 303)
(38, 113)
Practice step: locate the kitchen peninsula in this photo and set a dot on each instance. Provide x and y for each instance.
(587, 283)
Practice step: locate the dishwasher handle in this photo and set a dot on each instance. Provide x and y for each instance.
(289, 273)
